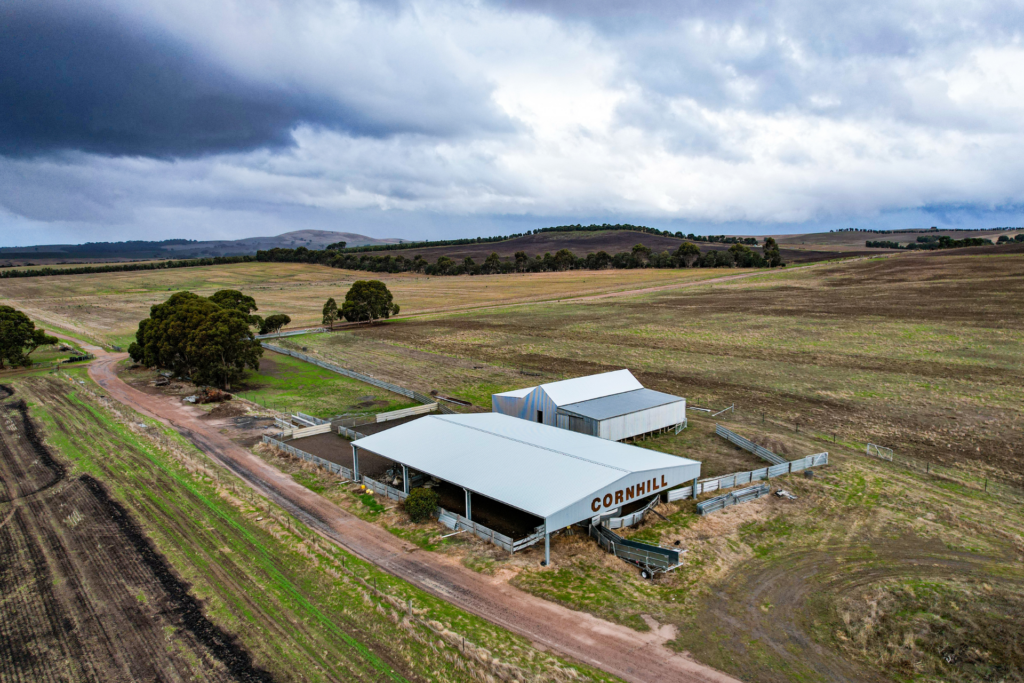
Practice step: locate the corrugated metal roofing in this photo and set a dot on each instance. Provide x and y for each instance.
(534, 467)
(590, 387)
(517, 393)
(620, 404)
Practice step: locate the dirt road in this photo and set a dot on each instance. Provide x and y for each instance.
(616, 649)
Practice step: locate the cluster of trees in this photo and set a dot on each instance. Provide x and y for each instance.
(912, 230)
(210, 339)
(19, 338)
(125, 267)
(931, 242)
(687, 255)
(1003, 239)
(366, 301)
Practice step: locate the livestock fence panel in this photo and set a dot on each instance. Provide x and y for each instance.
(381, 384)
(305, 431)
(332, 467)
(384, 490)
(312, 420)
(453, 520)
(880, 452)
(742, 478)
(733, 498)
(406, 412)
(748, 445)
(632, 518)
(350, 433)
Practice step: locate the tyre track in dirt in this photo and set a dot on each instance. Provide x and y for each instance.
(616, 649)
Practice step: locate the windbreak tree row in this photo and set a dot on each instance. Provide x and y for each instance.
(688, 255)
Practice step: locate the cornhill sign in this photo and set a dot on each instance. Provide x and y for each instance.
(625, 495)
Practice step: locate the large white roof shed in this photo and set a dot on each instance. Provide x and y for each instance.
(557, 475)
(611, 405)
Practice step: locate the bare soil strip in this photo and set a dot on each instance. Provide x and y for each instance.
(616, 649)
(83, 593)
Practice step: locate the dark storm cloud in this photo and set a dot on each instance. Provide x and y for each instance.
(74, 79)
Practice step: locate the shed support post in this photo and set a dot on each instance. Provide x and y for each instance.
(405, 478)
(695, 488)
(469, 505)
(355, 463)
(547, 548)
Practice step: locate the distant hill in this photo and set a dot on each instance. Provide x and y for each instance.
(100, 252)
(583, 243)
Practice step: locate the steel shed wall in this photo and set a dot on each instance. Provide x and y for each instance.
(654, 481)
(538, 399)
(643, 421)
(587, 425)
(507, 405)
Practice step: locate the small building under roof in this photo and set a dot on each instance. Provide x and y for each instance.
(611, 405)
(557, 476)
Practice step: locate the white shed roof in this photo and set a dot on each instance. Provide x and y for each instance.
(517, 393)
(533, 467)
(590, 387)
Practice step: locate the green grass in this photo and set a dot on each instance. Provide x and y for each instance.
(293, 385)
(481, 565)
(426, 539)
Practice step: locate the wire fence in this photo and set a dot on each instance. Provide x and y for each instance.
(381, 384)
(293, 333)
(977, 482)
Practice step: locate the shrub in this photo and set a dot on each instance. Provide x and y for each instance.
(420, 504)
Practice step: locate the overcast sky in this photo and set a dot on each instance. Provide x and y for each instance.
(151, 119)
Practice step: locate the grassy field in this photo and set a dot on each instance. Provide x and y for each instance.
(107, 307)
(303, 608)
(297, 386)
(924, 354)
(875, 571)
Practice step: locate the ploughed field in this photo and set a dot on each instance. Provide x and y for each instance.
(84, 594)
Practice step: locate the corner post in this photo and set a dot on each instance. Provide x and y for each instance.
(694, 488)
(469, 505)
(547, 548)
(405, 479)
(355, 463)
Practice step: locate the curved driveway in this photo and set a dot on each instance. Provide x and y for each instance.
(616, 649)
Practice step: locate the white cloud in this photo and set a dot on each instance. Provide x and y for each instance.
(722, 117)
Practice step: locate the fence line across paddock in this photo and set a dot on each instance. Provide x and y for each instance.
(380, 384)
